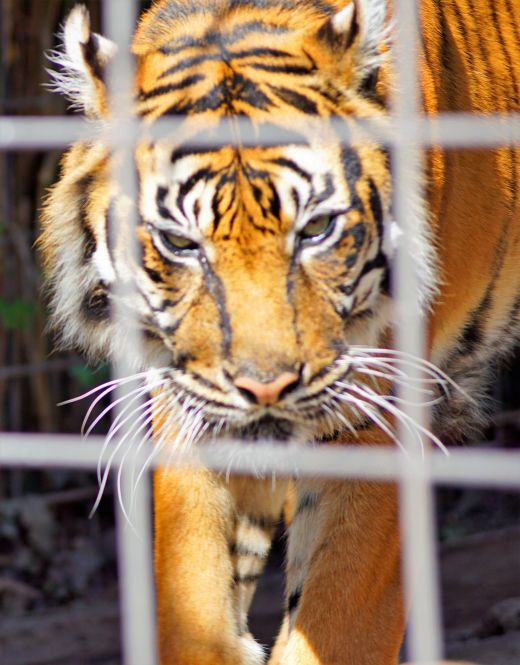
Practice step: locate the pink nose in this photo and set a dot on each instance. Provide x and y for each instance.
(266, 393)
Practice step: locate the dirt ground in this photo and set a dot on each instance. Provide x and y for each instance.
(481, 596)
(480, 589)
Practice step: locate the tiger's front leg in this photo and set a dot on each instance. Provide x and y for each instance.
(211, 542)
(344, 599)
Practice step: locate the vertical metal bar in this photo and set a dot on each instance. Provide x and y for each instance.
(135, 574)
(134, 540)
(420, 569)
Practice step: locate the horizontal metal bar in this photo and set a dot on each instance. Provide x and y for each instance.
(44, 133)
(482, 467)
(451, 130)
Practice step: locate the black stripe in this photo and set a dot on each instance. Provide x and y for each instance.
(90, 52)
(181, 360)
(167, 303)
(319, 5)
(190, 183)
(513, 179)
(95, 305)
(191, 149)
(160, 196)
(507, 56)
(358, 233)
(473, 333)
(513, 320)
(474, 329)
(295, 199)
(217, 38)
(352, 170)
(240, 88)
(169, 331)
(83, 194)
(227, 93)
(170, 87)
(296, 100)
(295, 70)
(269, 52)
(326, 193)
(265, 230)
(274, 204)
(318, 375)
(190, 62)
(446, 50)
(152, 274)
(378, 263)
(209, 102)
(368, 89)
(307, 501)
(183, 43)
(246, 579)
(376, 206)
(216, 289)
(294, 600)
(291, 164)
(514, 25)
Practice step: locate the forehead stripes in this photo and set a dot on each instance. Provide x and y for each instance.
(219, 38)
(232, 61)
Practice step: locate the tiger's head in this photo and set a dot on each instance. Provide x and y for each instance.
(264, 257)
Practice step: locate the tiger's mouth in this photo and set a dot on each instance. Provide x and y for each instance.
(265, 428)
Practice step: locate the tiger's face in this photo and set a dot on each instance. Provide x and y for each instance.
(261, 263)
(261, 266)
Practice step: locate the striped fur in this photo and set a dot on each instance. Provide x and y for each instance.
(266, 247)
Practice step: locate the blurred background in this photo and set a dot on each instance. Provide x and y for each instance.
(58, 570)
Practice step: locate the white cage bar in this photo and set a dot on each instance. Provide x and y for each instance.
(416, 492)
(405, 132)
(134, 535)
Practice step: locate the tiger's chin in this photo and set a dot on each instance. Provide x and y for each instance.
(266, 428)
(274, 429)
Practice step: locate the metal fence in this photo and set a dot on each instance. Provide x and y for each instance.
(406, 132)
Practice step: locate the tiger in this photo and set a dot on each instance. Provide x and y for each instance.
(262, 289)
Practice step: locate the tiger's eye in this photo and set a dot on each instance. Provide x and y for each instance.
(317, 227)
(176, 242)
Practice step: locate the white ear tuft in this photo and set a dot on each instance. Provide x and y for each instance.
(82, 59)
(375, 28)
(361, 25)
(342, 21)
(76, 31)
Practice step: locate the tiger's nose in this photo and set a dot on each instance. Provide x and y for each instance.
(266, 393)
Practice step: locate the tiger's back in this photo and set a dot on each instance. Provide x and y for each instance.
(472, 65)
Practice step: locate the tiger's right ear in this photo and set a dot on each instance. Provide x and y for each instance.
(359, 32)
(82, 58)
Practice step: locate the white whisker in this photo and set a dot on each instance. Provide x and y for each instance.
(399, 380)
(339, 415)
(413, 361)
(111, 383)
(373, 416)
(120, 421)
(404, 418)
(140, 390)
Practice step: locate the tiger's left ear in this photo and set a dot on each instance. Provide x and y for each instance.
(359, 31)
(82, 59)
